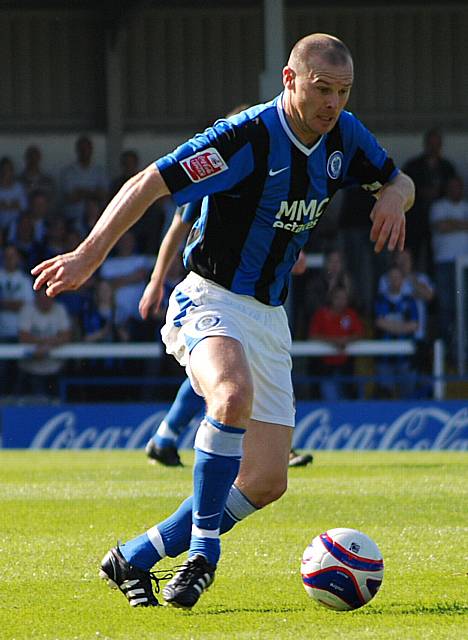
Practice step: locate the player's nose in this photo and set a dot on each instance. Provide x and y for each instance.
(332, 101)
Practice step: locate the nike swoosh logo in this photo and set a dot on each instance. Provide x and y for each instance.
(275, 173)
(211, 515)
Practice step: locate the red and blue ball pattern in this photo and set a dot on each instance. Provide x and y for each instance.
(342, 569)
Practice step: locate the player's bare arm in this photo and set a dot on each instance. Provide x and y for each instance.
(70, 270)
(153, 293)
(388, 213)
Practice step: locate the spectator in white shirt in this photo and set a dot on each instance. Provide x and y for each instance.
(449, 222)
(45, 324)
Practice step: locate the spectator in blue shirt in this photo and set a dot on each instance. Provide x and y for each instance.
(396, 318)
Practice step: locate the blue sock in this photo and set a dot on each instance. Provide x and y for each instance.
(171, 537)
(175, 530)
(141, 552)
(218, 451)
(187, 404)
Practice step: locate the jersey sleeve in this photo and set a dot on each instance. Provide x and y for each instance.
(370, 166)
(190, 212)
(212, 161)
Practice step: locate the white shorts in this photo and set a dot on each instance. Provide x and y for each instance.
(199, 308)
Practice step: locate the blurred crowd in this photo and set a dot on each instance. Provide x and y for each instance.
(354, 294)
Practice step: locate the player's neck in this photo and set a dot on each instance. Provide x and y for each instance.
(305, 136)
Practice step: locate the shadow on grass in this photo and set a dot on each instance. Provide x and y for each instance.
(224, 610)
(438, 608)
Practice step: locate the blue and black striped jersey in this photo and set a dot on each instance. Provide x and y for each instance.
(263, 192)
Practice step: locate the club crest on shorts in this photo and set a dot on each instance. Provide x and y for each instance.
(334, 165)
(207, 322)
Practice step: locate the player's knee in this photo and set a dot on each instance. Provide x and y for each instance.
(231, 402)
(264, 494)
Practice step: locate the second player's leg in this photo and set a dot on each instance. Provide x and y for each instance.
(162, 446)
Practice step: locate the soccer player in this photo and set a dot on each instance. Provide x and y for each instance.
(162, 446)
(266, 176)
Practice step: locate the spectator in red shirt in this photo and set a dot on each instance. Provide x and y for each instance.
(338, 324)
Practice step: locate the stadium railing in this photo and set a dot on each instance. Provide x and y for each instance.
(309, 348)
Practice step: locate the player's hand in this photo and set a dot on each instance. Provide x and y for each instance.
(65, 272)
(151, 299)
(300, 266)
(388, 226)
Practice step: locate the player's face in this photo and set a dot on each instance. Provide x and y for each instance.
(317, 97)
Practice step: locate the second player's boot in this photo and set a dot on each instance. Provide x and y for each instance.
(190, 581)
(133, 582)
(298, 459)
(168, 456)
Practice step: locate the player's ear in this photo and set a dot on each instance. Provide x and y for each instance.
(289, 76)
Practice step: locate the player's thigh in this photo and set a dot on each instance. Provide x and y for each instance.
(221, 370)
(264, 468)
(216, 360)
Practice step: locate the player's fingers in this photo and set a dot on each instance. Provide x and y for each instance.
(378, 222)
(394, 236)
(54, 288)
(155, 309)
(43, 265)
(143, 308)
(382, 238)
(401, 239)
(375, 229)
(46, 275)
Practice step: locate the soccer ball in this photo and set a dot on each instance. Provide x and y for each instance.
(342, 569)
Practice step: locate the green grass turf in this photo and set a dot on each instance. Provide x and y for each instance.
(61, 511)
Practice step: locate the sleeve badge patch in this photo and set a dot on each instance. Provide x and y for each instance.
(203, 165)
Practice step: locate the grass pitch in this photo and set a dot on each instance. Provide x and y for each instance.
(62, 510)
